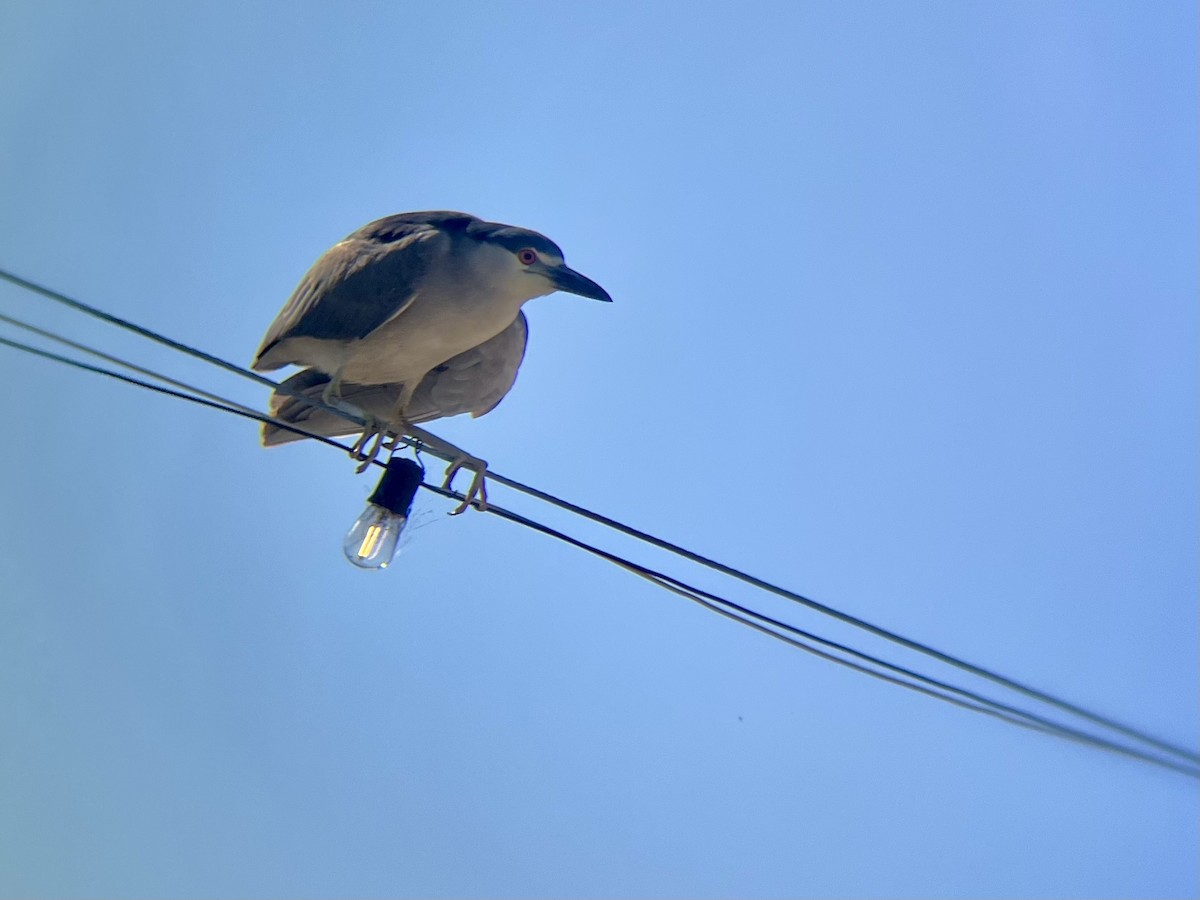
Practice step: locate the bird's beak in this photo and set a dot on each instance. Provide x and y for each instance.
(567, 279)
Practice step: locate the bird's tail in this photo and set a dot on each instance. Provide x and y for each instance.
(293, 410)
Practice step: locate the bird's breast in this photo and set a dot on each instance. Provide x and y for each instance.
(433, 328)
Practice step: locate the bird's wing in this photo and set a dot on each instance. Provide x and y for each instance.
(507, 355)
(355, 287)
(475, 381)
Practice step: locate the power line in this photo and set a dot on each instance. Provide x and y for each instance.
(862, 624)
(155, 336)
(108, 357)
(766, 624)
(223, 405)
(927, 650)
(775, 628)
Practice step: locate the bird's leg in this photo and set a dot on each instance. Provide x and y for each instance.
(371, 429)
(477, 492)
(459, 459)
(332, 395)
(381, 430)
(378, 429)
(396, 423)
(364, 459)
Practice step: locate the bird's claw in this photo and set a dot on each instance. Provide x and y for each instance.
(359, 453)
(477, 492)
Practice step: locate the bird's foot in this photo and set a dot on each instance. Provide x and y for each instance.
(372, 434)
(477, 493)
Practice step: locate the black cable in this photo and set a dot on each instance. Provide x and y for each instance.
(742, 614)
(712, 602)
(849, 619)
(979, 671)
(135, 328)
(731, 610)
(224, 406)
(108, 357)
(100, 314)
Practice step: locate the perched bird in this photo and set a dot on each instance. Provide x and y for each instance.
(406, 294)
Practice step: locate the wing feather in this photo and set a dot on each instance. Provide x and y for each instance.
(354, 288)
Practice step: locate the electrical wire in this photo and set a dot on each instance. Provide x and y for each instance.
(155, 336)
(862, 624)
(766, 625)
(782, 631)
(125, 364)
(225, 406)
(927, 650)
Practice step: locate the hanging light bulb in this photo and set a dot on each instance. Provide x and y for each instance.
(371, 541)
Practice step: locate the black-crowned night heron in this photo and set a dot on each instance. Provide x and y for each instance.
(405, 294)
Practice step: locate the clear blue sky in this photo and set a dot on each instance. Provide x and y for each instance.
(905, 319)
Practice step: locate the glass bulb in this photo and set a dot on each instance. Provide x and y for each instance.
(371, 541)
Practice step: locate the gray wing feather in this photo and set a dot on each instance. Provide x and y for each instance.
(475, 381)
(355, 287)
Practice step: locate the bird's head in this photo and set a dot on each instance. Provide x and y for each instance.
(532, 263)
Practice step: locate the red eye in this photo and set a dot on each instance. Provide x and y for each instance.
(527, 257)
